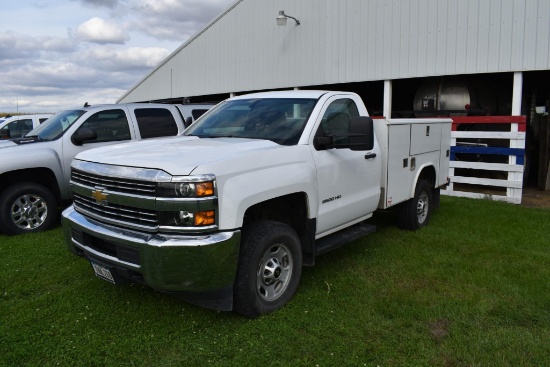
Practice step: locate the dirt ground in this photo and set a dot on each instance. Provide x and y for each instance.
(535, 198)
(532, 197)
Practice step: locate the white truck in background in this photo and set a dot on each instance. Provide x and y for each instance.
(35, 169)
(227, 213)
(18, 126)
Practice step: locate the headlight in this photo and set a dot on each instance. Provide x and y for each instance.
(187, 219)
(187, 203)
(185, 189)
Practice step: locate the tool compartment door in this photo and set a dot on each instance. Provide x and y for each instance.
(399, 172)
(425, 138)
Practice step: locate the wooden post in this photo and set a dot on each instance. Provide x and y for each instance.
(516, 111)
(544, 154)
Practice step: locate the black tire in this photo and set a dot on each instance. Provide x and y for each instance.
(270, 266)
(415, 213)
(27, 207)
(436, 199)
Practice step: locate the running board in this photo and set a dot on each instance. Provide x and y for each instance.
(343, 237)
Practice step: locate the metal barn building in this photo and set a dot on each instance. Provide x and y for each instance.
(483, 60)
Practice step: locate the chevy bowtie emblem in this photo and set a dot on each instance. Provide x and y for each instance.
(99, 196)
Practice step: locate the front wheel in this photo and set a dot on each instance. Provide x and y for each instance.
(270, 266)
(27, 207)
(415, 212)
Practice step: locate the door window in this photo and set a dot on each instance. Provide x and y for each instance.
(336, 120)
(155, 122)
(196, 113)
(17, 128)
(110, 125)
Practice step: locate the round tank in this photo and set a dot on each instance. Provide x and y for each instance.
(453, 96)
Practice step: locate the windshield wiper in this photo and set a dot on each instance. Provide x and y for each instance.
(198, 136)
(223, 136)
(35, 137)
(27, 139)
(240, 136)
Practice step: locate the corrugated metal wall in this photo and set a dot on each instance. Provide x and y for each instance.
(342, 41)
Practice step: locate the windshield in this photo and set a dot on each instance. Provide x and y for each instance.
(280, 120)
(54, 127)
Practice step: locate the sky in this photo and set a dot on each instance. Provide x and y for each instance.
(58, 54)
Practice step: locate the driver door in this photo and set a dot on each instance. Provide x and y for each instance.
(110, 126)
(348, 183)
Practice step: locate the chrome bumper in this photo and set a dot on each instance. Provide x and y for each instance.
(196, 264)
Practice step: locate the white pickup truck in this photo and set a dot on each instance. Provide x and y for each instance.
(227, 213)
(18, 126)
(35, 169)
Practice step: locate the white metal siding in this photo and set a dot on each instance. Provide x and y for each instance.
(342, 41)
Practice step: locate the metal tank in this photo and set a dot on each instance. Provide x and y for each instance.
(454, 96)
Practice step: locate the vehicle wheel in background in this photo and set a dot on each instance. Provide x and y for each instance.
(26, 208)
(270, 266)
(415, 213)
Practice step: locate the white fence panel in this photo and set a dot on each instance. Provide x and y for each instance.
(482, 184)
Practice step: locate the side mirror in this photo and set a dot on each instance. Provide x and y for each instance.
(188, 121)
(83, 135)
(361, 130)
(360, 136)
(5, 134)
(324, 142)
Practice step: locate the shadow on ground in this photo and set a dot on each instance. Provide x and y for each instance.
(533, 197)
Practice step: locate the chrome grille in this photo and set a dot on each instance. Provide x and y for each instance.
(116, 213)
(122, 185)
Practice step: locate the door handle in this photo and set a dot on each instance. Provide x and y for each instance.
(370, 155)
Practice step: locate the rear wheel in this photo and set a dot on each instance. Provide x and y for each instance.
(270, 267)
(27, 207)
(415, 213)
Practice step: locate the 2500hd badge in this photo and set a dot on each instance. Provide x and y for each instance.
(331, 199)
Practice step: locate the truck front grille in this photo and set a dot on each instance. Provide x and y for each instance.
(115, 213)
(123, 185)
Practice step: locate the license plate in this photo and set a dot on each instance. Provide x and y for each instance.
(103, 272)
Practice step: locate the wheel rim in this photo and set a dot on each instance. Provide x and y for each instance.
(422, 207)
(274, 272)
(29, 211)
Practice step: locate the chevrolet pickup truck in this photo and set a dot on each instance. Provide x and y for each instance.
(227, 213)
(35, 169)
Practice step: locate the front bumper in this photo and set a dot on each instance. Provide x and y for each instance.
(190, 265)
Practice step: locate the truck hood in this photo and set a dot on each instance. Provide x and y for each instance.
(177, 156)
(6, 144)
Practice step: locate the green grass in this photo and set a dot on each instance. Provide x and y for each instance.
(472, 289)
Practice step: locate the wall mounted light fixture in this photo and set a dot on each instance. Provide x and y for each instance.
(282, 18)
